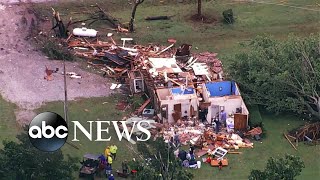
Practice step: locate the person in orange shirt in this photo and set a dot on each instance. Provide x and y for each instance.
(107, 151)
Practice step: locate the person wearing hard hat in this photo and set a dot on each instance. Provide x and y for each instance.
(113, 151)
(107, 151)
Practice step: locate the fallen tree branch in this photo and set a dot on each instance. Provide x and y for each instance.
(157, 18)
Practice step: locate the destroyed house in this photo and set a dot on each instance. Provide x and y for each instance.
(176, 103)
(225, 95)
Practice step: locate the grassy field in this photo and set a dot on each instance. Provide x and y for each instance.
(8, 126)
(93, 109)
(274, 144)
(251, 19)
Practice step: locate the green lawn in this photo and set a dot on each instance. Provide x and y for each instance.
(239, 165)
(274, 145)
(8, 126)
(92, 109)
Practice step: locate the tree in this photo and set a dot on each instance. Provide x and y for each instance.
(199, 8)
(136, 3)
(160, 163)
(282, 76)
(22, 161)
(286, 168)
(58, 23)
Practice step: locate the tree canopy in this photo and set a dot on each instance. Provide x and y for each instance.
(281, 75)
(20, 160)
(160, 163)
(286, 168)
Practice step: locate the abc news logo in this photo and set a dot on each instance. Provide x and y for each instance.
(48, 131)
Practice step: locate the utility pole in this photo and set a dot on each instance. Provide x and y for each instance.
(65, 107)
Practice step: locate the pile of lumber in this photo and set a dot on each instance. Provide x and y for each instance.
(307, 132)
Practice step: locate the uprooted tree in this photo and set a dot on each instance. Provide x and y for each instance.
(57, 22)
(136, 3)
(286, 168)
(282, 76)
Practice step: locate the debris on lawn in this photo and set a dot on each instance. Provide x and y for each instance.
(188, 102)
(309, 133)
(122, 105)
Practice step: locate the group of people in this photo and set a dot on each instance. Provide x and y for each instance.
(188, 158)
(105, 165)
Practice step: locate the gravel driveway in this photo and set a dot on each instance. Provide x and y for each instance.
(22, 69)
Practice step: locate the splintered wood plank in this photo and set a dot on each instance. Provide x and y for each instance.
(144, 105)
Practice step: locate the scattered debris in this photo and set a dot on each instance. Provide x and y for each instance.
(49, 72)
(73, 75)
(290, 142)
(122, 105)
(180, 86)
(115, 86)
(142, 107)
(309, 133)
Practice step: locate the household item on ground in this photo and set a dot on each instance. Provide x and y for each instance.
(219, 152)
(84, 32)
(199, 164)
(215, 162)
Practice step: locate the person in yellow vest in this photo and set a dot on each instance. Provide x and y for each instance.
(113, 151)
(109, 158)
(107, 151)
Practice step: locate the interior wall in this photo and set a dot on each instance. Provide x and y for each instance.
(185, 106)
(245, 109)
(230, 103)
(223, 88)
(205, 93)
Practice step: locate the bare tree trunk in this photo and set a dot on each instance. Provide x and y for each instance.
(199, 8)
(318, 107)
(133, 14)
(63, 31)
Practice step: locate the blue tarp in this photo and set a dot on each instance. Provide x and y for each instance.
(224, 88)
(188, 90)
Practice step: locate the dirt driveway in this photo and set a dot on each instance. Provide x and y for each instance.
(22, 69)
